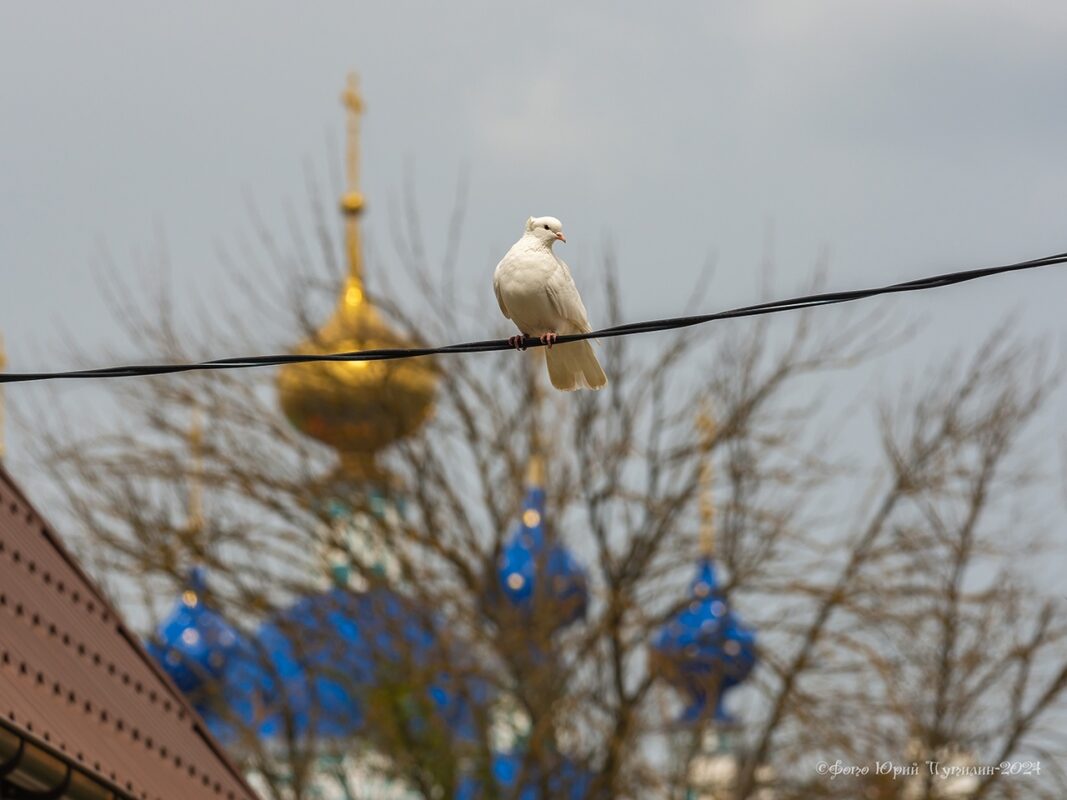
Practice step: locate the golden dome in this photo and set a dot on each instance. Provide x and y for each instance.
(356, 407)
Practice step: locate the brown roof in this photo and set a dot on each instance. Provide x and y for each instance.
(76, 682)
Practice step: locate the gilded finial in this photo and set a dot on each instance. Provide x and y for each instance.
(353, 101)
(352, 200)
(351, 97)
(535, 469)
(706, 425)
(195, 512)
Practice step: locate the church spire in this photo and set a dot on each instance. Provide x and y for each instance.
(195, 512)
(357, 407)
(706, 426)
(352, 199)
(535, 468)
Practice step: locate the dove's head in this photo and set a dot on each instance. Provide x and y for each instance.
(547, 229)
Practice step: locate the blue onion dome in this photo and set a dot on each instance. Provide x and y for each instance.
(567, 780)
(318, 659)
(210, 661)
(705, 650)
(333, 655)
(530, 560)
(458, 696)
(194, 643)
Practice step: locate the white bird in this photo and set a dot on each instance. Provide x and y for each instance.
(535, 290)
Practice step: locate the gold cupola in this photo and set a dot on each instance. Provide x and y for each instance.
(356, 407)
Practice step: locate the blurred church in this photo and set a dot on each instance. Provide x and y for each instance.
(307, 669)
(79, 693)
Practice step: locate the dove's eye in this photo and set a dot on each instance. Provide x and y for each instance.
(546, 227)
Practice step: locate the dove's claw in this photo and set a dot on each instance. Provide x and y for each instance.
(516, 341)
(549, 339)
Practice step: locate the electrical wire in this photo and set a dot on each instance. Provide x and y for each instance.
(489, 345)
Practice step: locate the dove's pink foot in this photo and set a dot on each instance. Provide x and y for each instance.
(516, 341)
(549, 339)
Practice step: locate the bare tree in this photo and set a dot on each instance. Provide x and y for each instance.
(895, 623)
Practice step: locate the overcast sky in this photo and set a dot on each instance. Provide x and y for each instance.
(908, 136)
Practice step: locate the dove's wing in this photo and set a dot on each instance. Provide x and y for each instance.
(499, 298)
(563, 293)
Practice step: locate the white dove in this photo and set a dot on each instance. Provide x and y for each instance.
(536, 291)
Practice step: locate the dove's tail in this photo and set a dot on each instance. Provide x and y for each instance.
(574, 366)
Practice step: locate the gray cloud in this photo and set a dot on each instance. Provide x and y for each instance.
(907, 135)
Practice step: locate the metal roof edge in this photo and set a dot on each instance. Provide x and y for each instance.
(131, 639)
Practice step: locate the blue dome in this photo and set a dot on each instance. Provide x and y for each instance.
(194, 643)
(316, 655)
(526, 560)
(455, 698)
(567, 781)
(327, 650)
(207, 658)
(704, 650)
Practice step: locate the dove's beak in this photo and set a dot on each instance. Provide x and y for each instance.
(561, 237)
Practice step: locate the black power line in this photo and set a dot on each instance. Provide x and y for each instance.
(672, 323)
